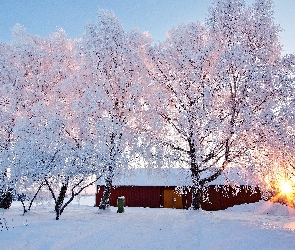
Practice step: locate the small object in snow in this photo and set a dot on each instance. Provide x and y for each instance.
(120, 203)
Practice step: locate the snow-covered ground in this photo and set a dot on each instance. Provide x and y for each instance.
(261, 225)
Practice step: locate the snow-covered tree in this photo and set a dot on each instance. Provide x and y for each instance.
(74, 167)
(219, 86)
(9, 83)
(189, 101)
(250, 69)
(114, 75)
(47, 147)
(33, 81)
(274, 156)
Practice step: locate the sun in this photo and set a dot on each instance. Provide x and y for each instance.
(286, 187)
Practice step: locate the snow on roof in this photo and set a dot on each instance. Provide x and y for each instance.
(234, 176)
(152, 177)
(171, 177)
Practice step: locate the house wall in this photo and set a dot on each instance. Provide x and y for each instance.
(216, 197)
(135, 196)
(222, 197)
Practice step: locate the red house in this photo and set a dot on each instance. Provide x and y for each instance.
(146, 190)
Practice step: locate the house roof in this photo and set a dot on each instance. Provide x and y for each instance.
(171, 177)
(152, 177)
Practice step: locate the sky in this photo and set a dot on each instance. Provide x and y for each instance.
(155, 16)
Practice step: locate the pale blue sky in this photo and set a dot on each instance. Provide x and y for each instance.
(155, 16)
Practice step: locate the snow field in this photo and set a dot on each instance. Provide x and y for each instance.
(262, 225)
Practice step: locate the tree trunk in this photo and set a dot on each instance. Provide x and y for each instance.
(197, 191)
(197, 197)
(22, 199)
(60, 200)
(105, 199)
